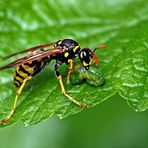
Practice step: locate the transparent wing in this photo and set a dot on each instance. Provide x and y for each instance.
(30, 49)
(33, 57)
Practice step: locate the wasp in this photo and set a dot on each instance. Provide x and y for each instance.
(62, 51)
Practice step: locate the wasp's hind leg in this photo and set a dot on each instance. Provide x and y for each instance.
(16, 99)
(58, 63)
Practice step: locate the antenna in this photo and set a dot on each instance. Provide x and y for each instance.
(100, 47)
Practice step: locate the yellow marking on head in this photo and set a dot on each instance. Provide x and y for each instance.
(27, 68)
(90, 62)
(81, 55)
(76, 47)
(66, 54)
(85, 64)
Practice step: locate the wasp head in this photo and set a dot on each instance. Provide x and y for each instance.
(85, 57)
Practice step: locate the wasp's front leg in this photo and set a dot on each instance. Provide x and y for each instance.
(70, 61)
(58, 63)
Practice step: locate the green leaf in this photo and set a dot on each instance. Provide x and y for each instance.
(122, 25)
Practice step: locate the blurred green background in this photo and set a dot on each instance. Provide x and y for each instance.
(110, 125)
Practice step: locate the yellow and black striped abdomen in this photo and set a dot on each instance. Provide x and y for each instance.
(25, 70)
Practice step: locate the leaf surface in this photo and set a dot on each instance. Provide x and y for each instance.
(121, 25)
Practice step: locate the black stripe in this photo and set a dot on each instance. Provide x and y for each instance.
(17, 81)
(17, 74)
(24, 70)
(16, 84)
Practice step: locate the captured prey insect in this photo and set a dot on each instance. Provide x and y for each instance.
(93, 76)
(62, 51)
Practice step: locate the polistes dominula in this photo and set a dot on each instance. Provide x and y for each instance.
(63, 51)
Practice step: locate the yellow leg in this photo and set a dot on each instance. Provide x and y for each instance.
(65, 94)
(70, 70)
(16, 99)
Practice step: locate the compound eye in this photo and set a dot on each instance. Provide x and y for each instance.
(85, 54)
